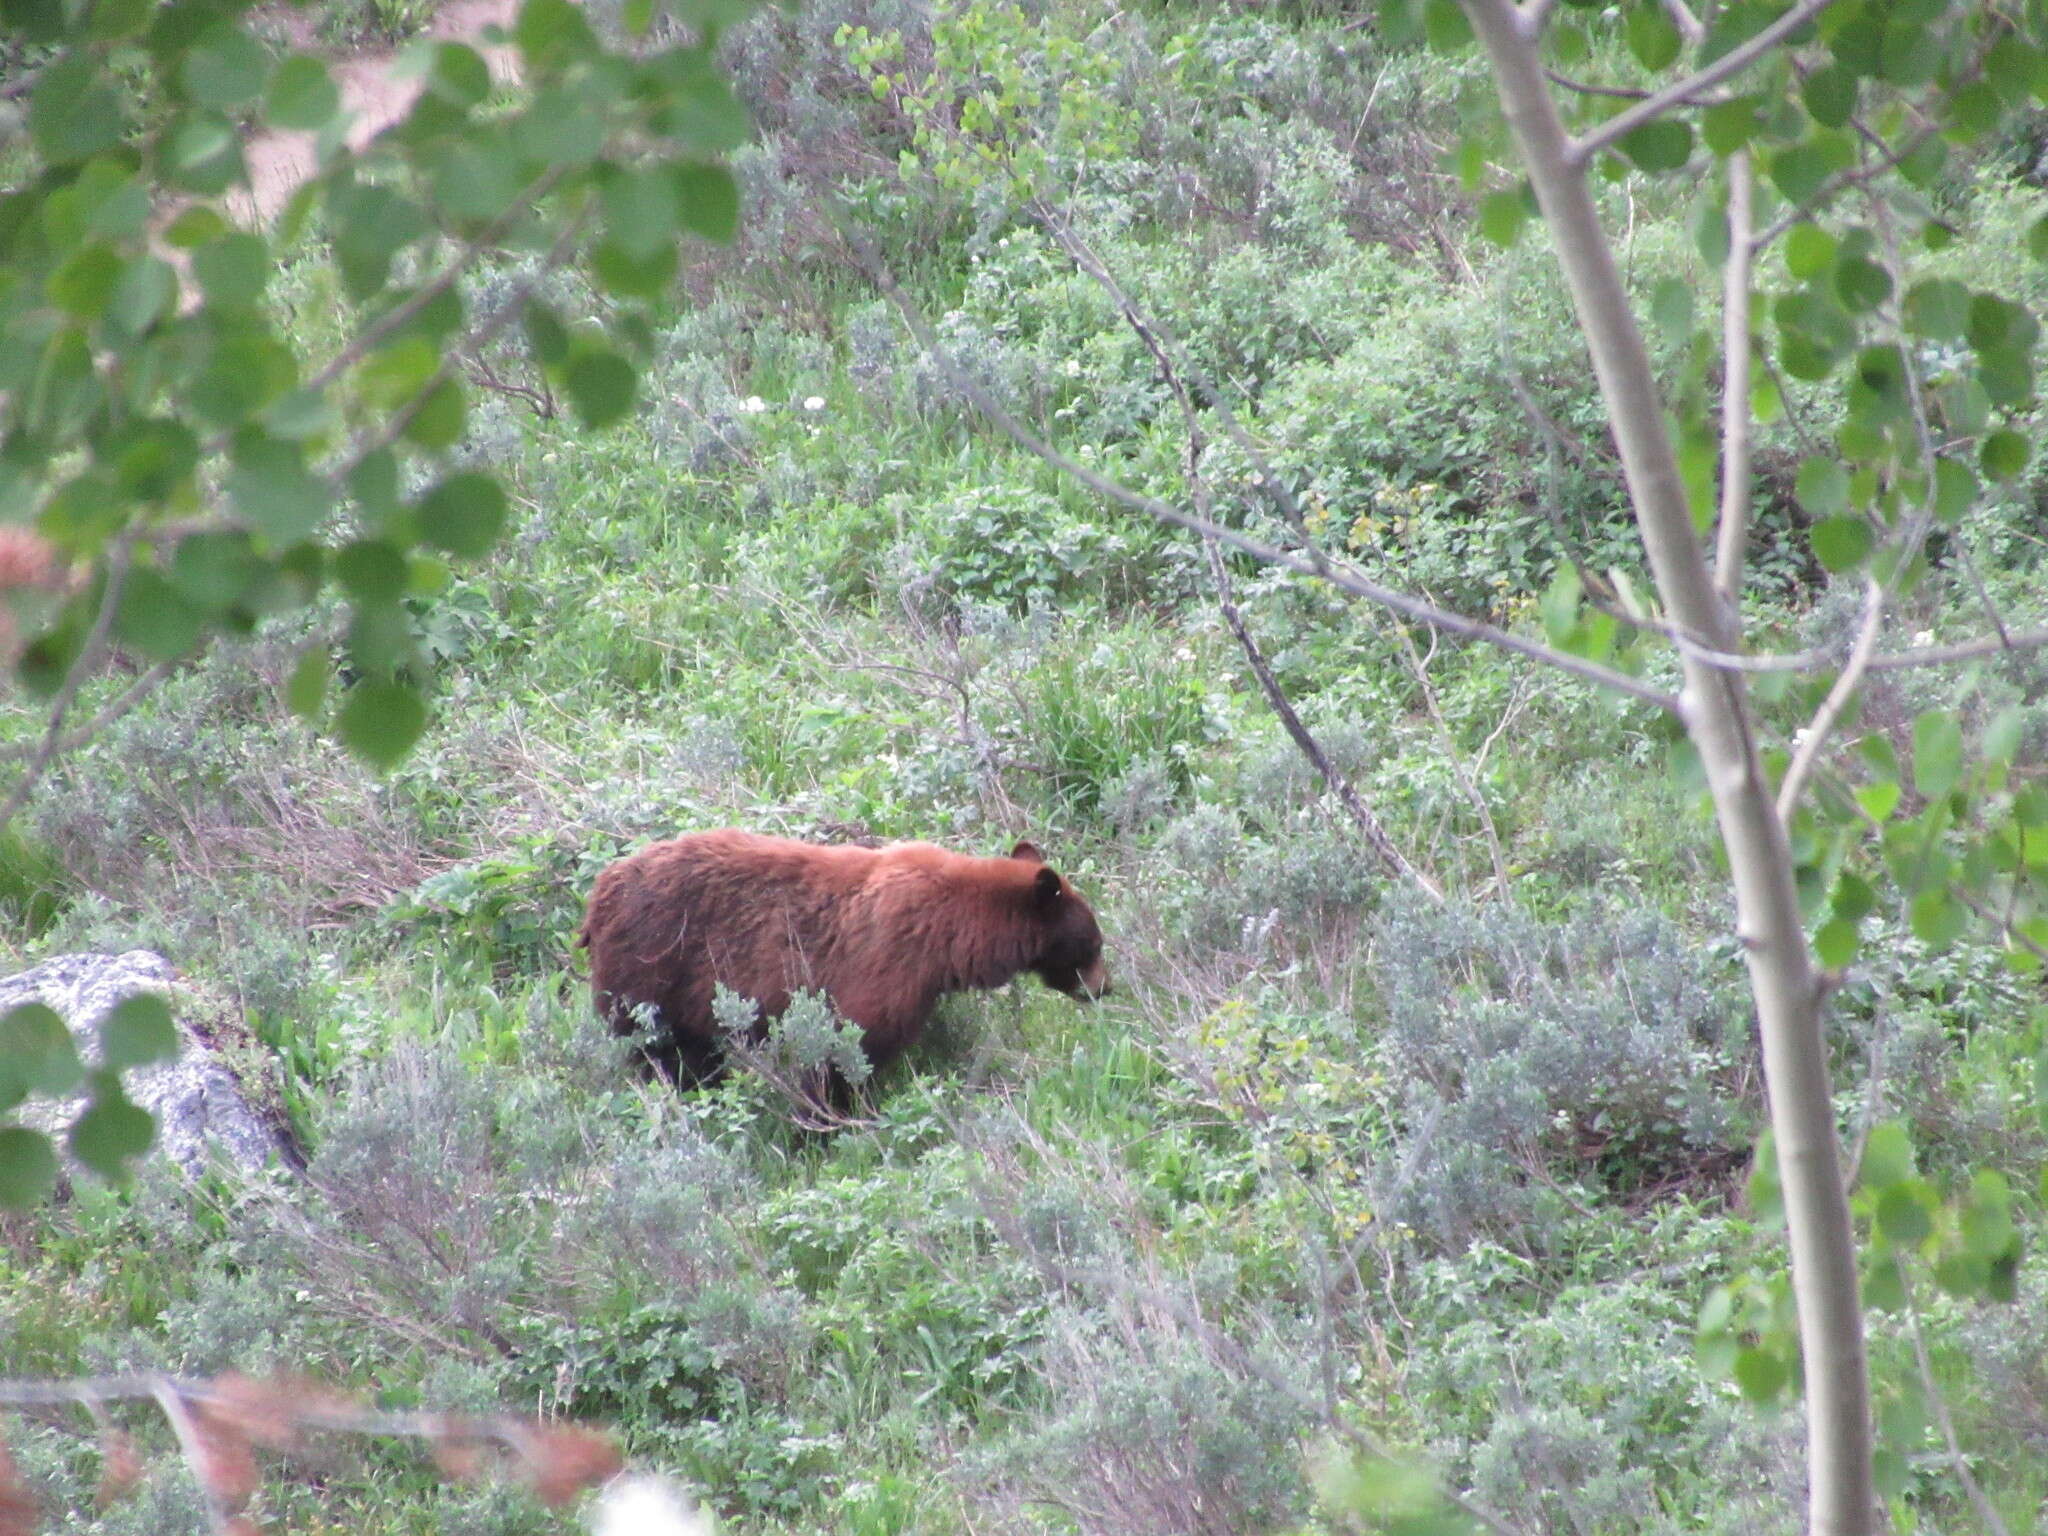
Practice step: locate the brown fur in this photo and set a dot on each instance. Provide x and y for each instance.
(885, 932)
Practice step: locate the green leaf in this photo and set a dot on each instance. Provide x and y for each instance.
(463, 514)
(1853, 898)
(2037, 239)
(36, 1055)
(1822, 487)
(372, 570)
(1884, 1288)
(602, 385)
(1887, 1156)
(1901, 1214)
(1809, 251)
(1938, 919)
(1879, 800)
(272, 488)
(1728, 125)
(233, 269)
(1937, 753)
(381, 721)
(641, 209)
(155, 618)
(112, 1131)
(1559, 605)
(1999, 325)
(1834, 945)
(545, 333)
(85, 282)
(138, 1032)
(551, 34)
(1671, 310)
(438, 421)
(143, 296)
(1662, 145)
(479, 179)
(306, 689)
(459, 76)
(1445, 26)
(1800, 170)
(216, 570)
(625, 275)
(1830, 95)
(1760, 1375)
(1651, 36)
(1937, 308)
(709, 200)
(225, 68)
(301, 95)
(1955, 490)
(28, 1167)
(1842, 543)
(2003, 454)
(1501, 216)
(1862, 284)
(75, 112)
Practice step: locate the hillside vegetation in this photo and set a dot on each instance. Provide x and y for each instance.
(1336, 1165)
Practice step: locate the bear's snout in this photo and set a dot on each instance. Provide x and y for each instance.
(1095, 981)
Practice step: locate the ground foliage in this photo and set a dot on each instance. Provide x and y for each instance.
(1330, 1162)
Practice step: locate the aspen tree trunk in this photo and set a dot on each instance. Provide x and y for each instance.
(1715, 709)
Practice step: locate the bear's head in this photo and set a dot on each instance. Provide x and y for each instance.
(1068, 956)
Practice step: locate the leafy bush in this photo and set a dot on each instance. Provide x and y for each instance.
(1600, 1044)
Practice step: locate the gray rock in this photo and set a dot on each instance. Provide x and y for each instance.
(204, 1101)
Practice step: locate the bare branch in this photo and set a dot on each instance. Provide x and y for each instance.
(1986, 1510)
(1276, 698)
(1310, 562)
(1579, 153)
(133, 695)
(1162, 349)
(1689, 25)
(1456, 759)
(83, 665)
(1823, 722)
(1735, 350)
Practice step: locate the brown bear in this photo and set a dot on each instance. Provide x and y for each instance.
(884, 932)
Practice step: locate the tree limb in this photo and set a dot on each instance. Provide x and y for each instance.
(1815, 736)
(1579, 153)
(1310, 561)
(1735, 349)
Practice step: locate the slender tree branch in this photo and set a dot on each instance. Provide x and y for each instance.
(1466, 785)
(1717, 716)
(193, 1444)
(1580, 153)
(1689, 25)
(1587, 88)
(1986, 1510)
(1823, 723)
(90, 654)
(1310, 562)
(131, 696)
(1150, 335)
(400, 315)
(1735, 423)
(1332, 776)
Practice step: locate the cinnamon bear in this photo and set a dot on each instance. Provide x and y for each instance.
(884, 932)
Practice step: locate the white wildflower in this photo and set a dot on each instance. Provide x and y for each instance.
(1924, 637)
(1073, 367)
(753, 405)
(644, 1505)
(814, 402)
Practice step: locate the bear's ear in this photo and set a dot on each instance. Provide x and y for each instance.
(1028, 852)
(1047, 885)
